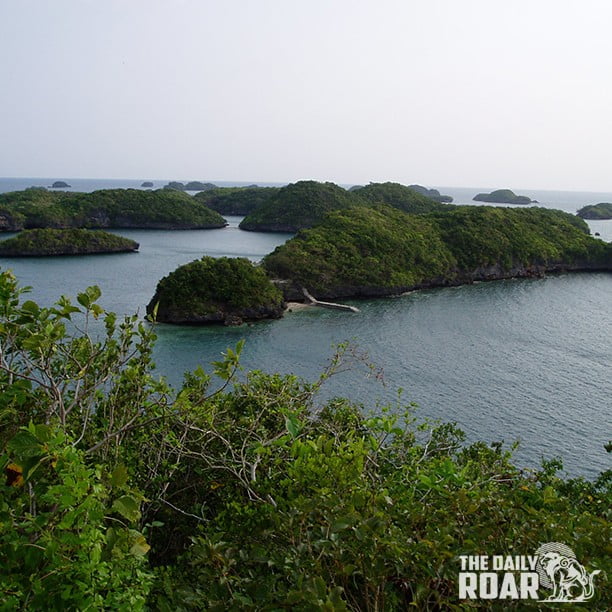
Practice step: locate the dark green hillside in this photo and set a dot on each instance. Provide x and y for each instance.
(480, 236)
(216, 290)
(364, 251)
(398, 196)
(602, 210)
(298, 206)
(42, 242)
(383, 251)
(235, 200)
(106, 208)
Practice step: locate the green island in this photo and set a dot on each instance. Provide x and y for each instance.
(380, 251)
(190, 186)
(44, 242)
(105, 208)
(297, 206)
(603, 210)
(399, 196)
(434, 194)
(240, 201)
(250, 492)
(216, 290)
(503, 196)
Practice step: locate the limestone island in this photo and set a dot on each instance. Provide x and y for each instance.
(434, 194)
(241, 201)
(147, 184)
(104, 209)
(60, 185)
(190, 186)
(381, 251)
(49, 242)
(224, 290)
(601, 211)
(503, 196)
(304, 204)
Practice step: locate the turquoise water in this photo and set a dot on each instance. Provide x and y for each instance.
(524, 359)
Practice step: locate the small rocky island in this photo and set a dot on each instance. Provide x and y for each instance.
(48, 242)
(601, 211)
(503, 196)
(224, 290)
(60, 185)
(147, 184)
(190, 186)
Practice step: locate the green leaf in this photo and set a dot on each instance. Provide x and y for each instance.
(139, 546)
(24, 444)
(127, 507)
(119, 476)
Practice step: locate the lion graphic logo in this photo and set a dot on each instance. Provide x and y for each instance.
(560, 571)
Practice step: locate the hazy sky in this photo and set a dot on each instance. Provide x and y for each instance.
(500, 93)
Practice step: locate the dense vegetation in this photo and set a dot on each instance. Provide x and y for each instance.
(603, 210)
(236, 200)
(106, 208)
(378, 251)
(502, 196)
(216, 290)
(297, 206)
(122, 493)
(64, 242)
(398, 196)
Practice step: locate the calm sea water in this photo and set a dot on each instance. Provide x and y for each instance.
(524, 359)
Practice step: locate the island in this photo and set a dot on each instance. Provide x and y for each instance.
(104, 209)
(60, 185)
(297, 206)
(381, 251)
(398, 196)
(52, 242)
(190, 186)
(147, 184)
(224, 290)
(239, 201)
(434, 194)
(503, 196)
(601, 211)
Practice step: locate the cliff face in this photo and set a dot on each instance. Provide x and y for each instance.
(292, 291)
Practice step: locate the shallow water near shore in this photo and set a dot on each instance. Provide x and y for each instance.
(527, 359)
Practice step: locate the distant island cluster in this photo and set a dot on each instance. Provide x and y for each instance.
(372, 240)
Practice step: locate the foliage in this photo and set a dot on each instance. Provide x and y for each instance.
(603, 210)
(251, 493)
(409, 199)
(64, 242)
(502, 196)
(367, 251)
(357, 251)
(236, 200)
(205, 287)
(297, 206)
(106, 208)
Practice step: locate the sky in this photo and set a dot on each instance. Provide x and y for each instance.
(498, 93)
